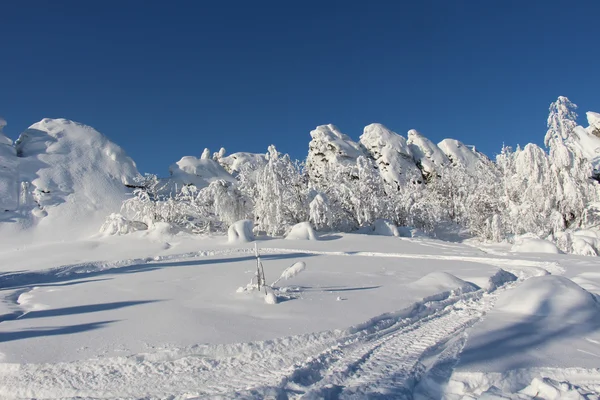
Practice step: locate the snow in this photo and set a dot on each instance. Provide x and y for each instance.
(198, 171)
(330, 147)
(241, 231)
(548, 296)
(392, 155)
(385, 227)
(426, 153)
(533, 245)
(461, 154)
(116, 224)
(234, 163)
(292, 271)
(302, 231)
(154, 321)
(9, 186)
(72, 178)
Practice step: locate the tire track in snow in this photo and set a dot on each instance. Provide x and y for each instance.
(382, 356)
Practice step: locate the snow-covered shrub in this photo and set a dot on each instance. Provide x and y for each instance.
(385, 227)
(302, 231)
(280, 194)
(116, 224)
(241, 232)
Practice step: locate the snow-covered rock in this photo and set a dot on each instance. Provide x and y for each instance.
(330, 147)
(73, 175)
(549, 295)
(533, 245)
(9, 186)
(233, 163)
(198, 171)
(385, 227)
(426, 153)
(241, 231)
(302, 231)
(460, 154)
(116, 224)
(392, 155)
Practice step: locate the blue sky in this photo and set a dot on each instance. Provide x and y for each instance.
(166, 80)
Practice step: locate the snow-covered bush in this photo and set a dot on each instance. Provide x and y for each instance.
(241, 232)
(385, 227)
(302, 231)
(116, 224)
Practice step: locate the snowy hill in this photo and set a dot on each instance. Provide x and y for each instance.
(71, 177)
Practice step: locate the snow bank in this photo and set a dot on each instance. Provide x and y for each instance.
(198, 171)
(549, 295)
(241, 231)
(385, 227)
(442, 282)
(302, 231)
(532, 245)
(72, 175)
(116, 224)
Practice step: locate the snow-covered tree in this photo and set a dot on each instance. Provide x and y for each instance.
(281, 200)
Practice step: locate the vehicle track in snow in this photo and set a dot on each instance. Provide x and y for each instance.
(382, 357)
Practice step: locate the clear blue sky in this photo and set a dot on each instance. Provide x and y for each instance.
(166, 80)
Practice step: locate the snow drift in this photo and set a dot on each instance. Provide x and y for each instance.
(532, 245)
(548, 295)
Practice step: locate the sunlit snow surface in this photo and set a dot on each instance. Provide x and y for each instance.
(158, 316)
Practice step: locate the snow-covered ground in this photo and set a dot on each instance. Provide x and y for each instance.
(156, 316)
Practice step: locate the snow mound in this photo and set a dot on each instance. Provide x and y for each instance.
(426, 153)
(116, 224)
(532, 245)
(199, 172)
(302, 231)
(549, 295)
(241, 231)
(392, 155)
(501, 277)
(385, 227)
(271, 298)
(71, 174)
(443, 281)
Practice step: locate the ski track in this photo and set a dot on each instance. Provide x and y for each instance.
(381, 358)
